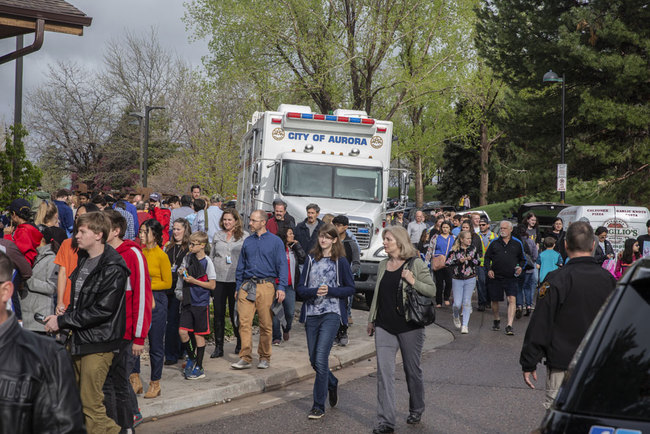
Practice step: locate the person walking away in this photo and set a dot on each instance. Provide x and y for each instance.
(96, 316)
(47, 215)
(160, 273)
(463, 261)
(629, 254)
(325, 284)
(66, 216)
(176, 249)
(159, 211)
(40, 288)
(569, 300)
(416, 227)
(295, 256)
(36, 364)
(387, 323)
(225, 252)
(306, 232)
(549, 260)
(196, 280)
(504, 262)
(119, 397)
(261, 277)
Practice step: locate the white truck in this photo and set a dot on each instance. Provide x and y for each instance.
(340, 161)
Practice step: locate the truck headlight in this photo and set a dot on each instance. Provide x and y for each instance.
(381, 253)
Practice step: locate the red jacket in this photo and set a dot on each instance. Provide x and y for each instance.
(138, 293)
(27, 238)
(162, 215)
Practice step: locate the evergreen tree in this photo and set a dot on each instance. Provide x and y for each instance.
(18, 175)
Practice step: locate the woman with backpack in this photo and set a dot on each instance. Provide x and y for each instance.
(325, 284)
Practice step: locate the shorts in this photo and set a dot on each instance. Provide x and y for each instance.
(496, 288)
(195, 319)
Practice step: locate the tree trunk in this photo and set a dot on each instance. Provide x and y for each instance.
(485, 152)
(419, 187)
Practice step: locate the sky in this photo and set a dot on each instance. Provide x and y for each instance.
(110, 19)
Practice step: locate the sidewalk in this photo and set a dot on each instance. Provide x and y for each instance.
(289, 364)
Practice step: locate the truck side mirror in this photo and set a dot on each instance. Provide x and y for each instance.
(404, 182)
(255, 190)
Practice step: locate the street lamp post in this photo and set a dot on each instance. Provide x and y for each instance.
(552, 77)
(144, 149)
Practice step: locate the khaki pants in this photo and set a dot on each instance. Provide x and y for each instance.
(90, 371)
(554, 380)
(264, 295)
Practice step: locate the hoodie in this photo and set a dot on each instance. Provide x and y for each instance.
(27, 238)
(138, 293)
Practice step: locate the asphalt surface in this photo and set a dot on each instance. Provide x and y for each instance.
(473, 385)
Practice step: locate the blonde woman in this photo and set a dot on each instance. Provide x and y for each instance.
(462, 261)
(387, 323)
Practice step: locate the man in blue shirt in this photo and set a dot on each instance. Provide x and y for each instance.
(262, 263)
(214, 216)
(66, 217)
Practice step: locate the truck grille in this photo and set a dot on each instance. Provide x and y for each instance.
(362, 232)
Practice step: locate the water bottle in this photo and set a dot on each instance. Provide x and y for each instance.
(320, 298)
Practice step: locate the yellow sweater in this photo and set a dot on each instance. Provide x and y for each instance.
(160, 269)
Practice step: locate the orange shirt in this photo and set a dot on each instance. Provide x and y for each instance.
(67, 257)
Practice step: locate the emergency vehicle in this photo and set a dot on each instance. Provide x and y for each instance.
(340, 161)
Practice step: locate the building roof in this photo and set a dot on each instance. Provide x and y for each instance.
(18, 17)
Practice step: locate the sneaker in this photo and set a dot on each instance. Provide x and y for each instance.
(263, 364)
(286, 336)
(481, 308)
(137, 418)
(509, 331)
(413, 419)
(457, 323)
(496, 325)
(337, 342)
(333, 396)
(196, 373)
(189, 367)
(527, 311)
(464, 330)
(343, 340)
(518, 312)
(315, 413)
(276, 342)
(170, 362)
(350, 320)
(241, 364)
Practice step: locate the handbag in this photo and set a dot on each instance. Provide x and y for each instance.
(438, 262)
(418, 309)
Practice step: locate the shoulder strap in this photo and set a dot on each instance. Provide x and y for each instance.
(205, 215)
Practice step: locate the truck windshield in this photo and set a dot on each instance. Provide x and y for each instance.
(339, 182)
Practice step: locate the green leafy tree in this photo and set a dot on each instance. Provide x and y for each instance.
(18, 175)
(601, 47)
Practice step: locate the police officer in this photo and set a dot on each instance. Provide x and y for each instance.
(568, 301)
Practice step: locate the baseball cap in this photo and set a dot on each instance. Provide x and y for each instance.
(341, 220)
(484, 219)
(155, 197)
(21, 207)
(215, 198)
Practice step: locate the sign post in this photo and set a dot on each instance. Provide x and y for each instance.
(561, 178)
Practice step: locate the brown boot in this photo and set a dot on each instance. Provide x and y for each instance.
(153, 390)
(134, 379)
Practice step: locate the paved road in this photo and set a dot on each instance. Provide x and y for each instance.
(474, 385)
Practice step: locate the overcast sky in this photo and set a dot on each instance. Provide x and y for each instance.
(110, 19)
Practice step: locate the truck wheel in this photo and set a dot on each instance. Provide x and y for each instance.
(369, 295)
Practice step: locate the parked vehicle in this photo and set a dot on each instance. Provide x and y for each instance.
(340, 161)
(546, 213)
(607, 388)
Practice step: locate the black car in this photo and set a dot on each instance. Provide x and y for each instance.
(545, 212)
(607, 387)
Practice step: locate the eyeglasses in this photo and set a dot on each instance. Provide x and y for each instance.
(325, 237)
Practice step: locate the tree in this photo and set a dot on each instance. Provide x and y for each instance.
(601, 47)
(18, 175)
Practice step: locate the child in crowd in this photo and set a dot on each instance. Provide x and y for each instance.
(197, 277)
(549, 259)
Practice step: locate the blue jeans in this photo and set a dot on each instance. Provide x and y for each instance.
(289, 305)
(528, 289)
(481, 288)
(156, 336)
(172, 339)
(321, 330)
(463, 290)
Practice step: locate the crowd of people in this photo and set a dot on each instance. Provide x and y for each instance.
(102, 273)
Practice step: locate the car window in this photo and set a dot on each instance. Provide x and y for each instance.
(618, 381)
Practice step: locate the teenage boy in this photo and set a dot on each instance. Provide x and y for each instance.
(96, 316)
(139, 297)
(197, 277)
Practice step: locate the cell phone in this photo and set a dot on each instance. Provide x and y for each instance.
(39, 317)
(185, 275)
